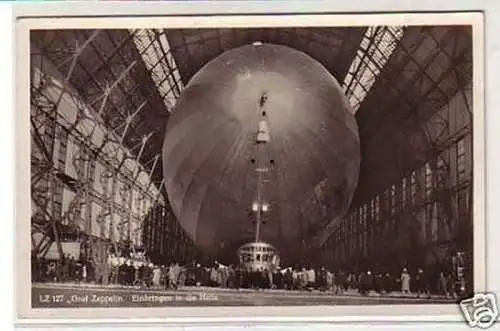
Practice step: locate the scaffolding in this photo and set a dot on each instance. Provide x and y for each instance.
(68, 134)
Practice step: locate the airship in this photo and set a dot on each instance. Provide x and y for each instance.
(262, 145)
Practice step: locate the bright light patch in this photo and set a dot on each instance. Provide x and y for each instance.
(374, 52)
(255, 207)
(155, 52)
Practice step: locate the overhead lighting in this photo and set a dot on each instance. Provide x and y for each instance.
(265, 207)
(255, 207)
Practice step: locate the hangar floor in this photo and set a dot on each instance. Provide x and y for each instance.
(75, 295)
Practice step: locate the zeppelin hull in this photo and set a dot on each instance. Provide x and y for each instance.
(209, 150)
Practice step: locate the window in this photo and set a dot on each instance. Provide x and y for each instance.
(413, 187)
(461, 161)
(403, 193)
(360, 219)
(365, 232)
(372, 209)
(393, 199)
(365, 216)
(463, 202)
(342, 228)
(428, 180)
(361, 230)
(435, 223)
(429, 216)
(369, 228)
(441, 171)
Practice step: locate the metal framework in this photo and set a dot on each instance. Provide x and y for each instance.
(335, 48)
(112, 78)
(52, 131)
(425, 65)
(435, 192)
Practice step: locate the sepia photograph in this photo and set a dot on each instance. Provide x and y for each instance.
(251, 166)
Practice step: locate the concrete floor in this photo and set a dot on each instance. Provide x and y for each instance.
(74, 295)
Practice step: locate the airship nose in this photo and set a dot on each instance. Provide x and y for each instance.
(271, 95)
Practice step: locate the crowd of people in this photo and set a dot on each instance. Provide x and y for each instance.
(119, 270)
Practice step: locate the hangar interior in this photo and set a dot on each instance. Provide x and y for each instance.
(100, 101)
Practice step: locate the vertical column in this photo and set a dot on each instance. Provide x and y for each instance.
(125, 207)
(163, 228)
(104, 179)
(60, 161)
(88, 196)
(79, 162)
(140, 218)
(112, 209)
(130, 215)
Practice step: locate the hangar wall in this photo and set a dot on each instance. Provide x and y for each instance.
(84, 182)
(425, 217)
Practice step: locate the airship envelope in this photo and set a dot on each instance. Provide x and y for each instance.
(210, 152)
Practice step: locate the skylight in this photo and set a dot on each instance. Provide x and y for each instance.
(375, 50)
(155, 52)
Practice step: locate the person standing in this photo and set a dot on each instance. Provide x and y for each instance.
(378, 283)
(369, 281)
(137, 278)
(405, 281)
(219, 275)
(270, 279)
(417, 282)
(181, 281)
(450, 282)
(442, 284)
(173, 275)
(322, 279)
(142, 274)
(213, 276)
(304, 279)
(311, 279)
(388, 283)
(288, 279)
(115, 272)
(84, 271)
(350, 282)
(156, 276)
(362, 283)
(424, 283)
(330, 280)
(105, 271)
(122, 272)
(340, 282)
(238, 277)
